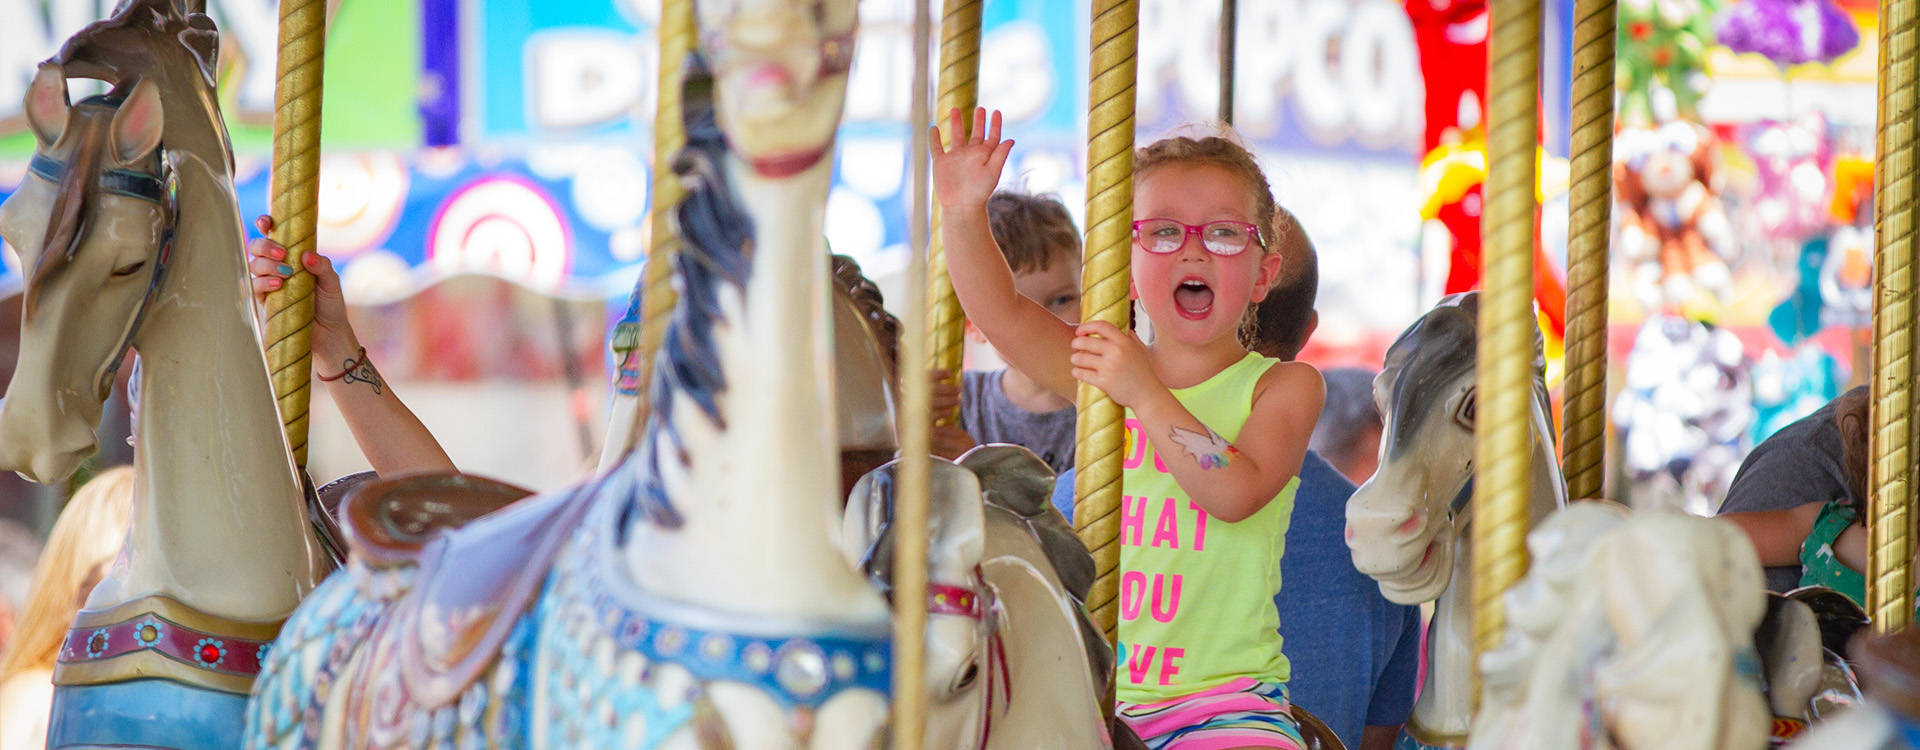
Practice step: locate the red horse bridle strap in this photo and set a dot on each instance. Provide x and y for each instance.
(945, 599)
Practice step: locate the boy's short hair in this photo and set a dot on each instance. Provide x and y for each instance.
(1280, 324)
(1033, 231)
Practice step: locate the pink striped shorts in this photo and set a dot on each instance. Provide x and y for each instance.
(1241, 713)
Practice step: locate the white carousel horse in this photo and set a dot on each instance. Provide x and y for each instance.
(1407, 525)
(693, 596)
(1629, 631)
(129, 234)
(1007, 580)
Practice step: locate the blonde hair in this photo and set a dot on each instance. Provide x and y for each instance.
(84, 541)
(1225, 152)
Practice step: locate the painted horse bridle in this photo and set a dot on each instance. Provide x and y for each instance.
(128, 184)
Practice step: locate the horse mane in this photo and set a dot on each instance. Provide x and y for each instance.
(716, 249)
(1433, 353)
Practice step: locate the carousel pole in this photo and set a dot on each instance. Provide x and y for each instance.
(1583, 441)
(910, 511)
(657, 297)
(1229, 41)
(295, 196)
(1891, 502)
(1507, 323)
(959, 89)
(1101, 432)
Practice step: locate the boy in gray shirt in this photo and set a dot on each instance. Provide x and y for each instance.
(1042, 247)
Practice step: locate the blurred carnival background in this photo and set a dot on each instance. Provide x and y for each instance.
(487, 164)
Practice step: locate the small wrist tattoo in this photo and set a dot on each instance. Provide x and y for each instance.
(1209, 450)
(358, 369)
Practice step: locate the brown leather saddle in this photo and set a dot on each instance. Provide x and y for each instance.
(482, 550)
(1316, 732)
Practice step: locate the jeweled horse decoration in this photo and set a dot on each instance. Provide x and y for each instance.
(1630, 631)
(694, 595)
(1407, 525)
(130, 237)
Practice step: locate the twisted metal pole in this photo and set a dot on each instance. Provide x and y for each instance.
(959, 89)
(1507, 324)
(657, 297)
(1101, 431)
(916, 396)
(1583, 442)
(1891, 504)
(295, 198)
(1229, 41)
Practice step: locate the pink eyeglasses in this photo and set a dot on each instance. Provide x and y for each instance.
(1223, 238)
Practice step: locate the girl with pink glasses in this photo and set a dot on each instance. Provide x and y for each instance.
(1215, 434)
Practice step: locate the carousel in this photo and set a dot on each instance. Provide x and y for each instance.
(768, 556)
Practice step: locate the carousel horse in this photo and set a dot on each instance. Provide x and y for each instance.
(1007, 582)
(1407, 525)
(1890, 719)
(130, 237)
(1631, 631)
(694, 595)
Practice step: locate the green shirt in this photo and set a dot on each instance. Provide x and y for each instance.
(1821, 567)
(1196, 594)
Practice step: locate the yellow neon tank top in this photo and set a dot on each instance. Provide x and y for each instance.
(1196, 593)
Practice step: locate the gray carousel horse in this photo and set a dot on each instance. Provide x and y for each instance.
(1407, 525)
(129, 232)
(1407, 528)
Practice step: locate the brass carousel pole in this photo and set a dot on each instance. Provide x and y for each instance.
(959, 89)
(1229, 41)
(657, 296)
(1583, 441)
(910, 551)
(295, 197)
(1891, 503)
(1507, 324)
(1101, 431)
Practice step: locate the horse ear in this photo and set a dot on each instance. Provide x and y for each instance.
(136, 126)
(47, 104)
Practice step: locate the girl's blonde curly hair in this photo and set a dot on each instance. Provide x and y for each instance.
(1222, 151)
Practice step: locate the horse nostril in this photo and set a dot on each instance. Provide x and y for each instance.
(1411, 525)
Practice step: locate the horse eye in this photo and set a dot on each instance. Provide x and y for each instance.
(967, 677)
(129, 270)
(1465, 415)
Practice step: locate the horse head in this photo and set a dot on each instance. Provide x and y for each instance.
(1401, 524)
(781, 74)
(1404, 523)
(1006, 578)
(91, 223)
(960, 611)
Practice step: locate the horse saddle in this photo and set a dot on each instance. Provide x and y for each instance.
(475, 575)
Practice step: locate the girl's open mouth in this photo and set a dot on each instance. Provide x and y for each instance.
(1193, 299)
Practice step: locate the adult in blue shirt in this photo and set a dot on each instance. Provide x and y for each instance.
(1355, 655)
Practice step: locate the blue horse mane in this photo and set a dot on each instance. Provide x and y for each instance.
(716, 248)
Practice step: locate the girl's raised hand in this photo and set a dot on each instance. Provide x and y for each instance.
(965, 175)
(1114, 361)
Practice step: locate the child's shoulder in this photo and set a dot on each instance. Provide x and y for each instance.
(1285, 374)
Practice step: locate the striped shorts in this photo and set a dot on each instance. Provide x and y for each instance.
(1241, 713)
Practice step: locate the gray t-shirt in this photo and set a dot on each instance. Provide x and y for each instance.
(990, 417)
(1800, 464)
